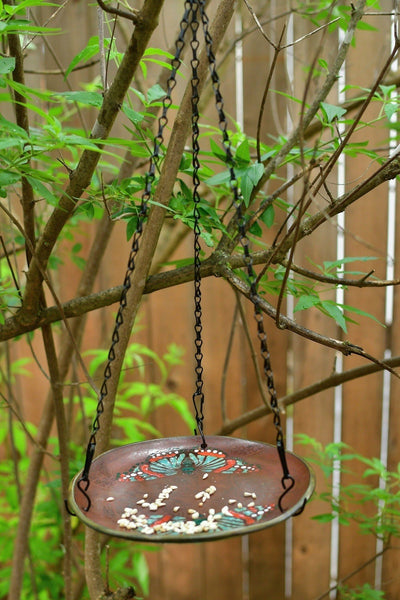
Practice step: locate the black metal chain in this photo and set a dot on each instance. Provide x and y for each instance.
(84, 481)
(287, 479)
(198, 396)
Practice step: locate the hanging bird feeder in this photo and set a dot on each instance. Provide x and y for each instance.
(194, 488)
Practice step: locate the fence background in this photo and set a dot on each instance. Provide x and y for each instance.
(300, 559)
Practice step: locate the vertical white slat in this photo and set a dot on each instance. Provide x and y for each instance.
(338, 394)
(389, 306)
(239, 110)
(289, 63)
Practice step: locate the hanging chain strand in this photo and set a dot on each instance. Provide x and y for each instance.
(84, 481)
(287, 479)
(198, 396)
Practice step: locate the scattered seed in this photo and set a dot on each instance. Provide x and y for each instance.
(195, 515)
(231, 501)
(205, 475)
(199, 495)
(110, 499)
(153, 506)
(250, 504)
(191, 511)
(140, 501)
(145, 495)
(176, 508)
(240, 505)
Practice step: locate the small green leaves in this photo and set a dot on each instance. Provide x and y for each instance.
(91, 49)
(250, 179)
(87, 98)
(332, 112)
(7, 64)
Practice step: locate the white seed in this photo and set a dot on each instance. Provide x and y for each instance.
(110, 499)
(231, 501)
(205, 475)
(195, 515)
(250, 504)
(176, 508)
(199, 495)
(240, 505)
(201, 503)
(140, 501)
(247, 494)
(145, 495)
(153, 506)
(191, 511)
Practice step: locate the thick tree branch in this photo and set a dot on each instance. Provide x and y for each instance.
(81, 176)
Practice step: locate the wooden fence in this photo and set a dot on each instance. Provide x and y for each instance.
(299, 559)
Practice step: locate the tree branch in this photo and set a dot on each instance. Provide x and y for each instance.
(320, 386)
(81, 176)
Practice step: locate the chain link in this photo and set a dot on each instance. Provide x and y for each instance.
(198, 396)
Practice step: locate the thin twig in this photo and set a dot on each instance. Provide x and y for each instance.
(261, 383)
(225, 366)
(277, 49)
(133, 16)
(354, 572)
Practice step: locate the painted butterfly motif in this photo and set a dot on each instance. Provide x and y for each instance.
(229, 518)
(165, 464)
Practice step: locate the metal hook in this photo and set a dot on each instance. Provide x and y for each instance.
(84, 492)
(201, 433)
(286, 489)
(67, 508)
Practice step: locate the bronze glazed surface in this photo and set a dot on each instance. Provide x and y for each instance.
(171, 490)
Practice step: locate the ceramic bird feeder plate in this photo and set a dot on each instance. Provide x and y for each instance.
(173, 490)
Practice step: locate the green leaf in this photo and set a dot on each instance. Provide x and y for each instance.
(155, 93)
(84, 55)
(390, 109)
(8, 177)
(256, 230)
(362, 313)
(243, 152)
(217, 150)
(268, 216)
(324, 518)
(330, 265)
(305, 302)
(141, 571)
(87, 98)
(334, 311)
(134, 116)
(250, 179)
(332, 112)
(7, 64)
(41, 189)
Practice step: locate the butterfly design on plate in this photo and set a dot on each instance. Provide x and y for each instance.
(170, 462)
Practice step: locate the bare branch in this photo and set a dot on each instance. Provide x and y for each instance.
(134, 15)
(320, 386)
